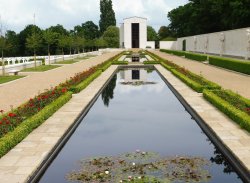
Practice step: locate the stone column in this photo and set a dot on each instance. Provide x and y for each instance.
(206, 45)
(248, 44)
(195, 43)
(222, 41)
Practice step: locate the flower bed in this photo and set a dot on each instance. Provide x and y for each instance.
(233, 105)
(13, 137)
(196, 82)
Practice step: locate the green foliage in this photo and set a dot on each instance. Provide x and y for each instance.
(86, 82)
(151, 34)
(239, 116)
(195, 56)
(111, 37)
(231, 64)
(11, 139)
(90, 30)
(199, 17)
(5, 79)
(174, 52)
(164, 32)
(107, 17)
(169, 39)
(192, 84)
(151, 62)
(120, 63)
(41, 68)
(34, 41)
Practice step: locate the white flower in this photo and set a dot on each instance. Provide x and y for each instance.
(133, 164)
(143, 153)
(129, 177)
(106, 172)
(120, 180)
(139, 177)
(138, 150)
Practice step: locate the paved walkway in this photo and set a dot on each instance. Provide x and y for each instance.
(228, 80)
(21, 162)
(17, 92)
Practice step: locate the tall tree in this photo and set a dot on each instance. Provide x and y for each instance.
(4, 45)
(107, 17)
(33, 42)
(151, 34)
(50, 38)
(90, 30)
(62, 43)
(164, 32)
(111, 37)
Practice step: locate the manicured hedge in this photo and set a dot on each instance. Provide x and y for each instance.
(166, 66)
(151, 62)
(194, 85)
(86, 82)
(12, 138)
(231, 64)
(195, 56)
(174, 52)
(232, 112)
(120, 63)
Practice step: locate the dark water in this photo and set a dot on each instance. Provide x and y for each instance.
(147, 117)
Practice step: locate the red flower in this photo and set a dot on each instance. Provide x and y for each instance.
(12, 115)
(64, 90)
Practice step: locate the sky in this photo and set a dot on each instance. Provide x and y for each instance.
(16, 14)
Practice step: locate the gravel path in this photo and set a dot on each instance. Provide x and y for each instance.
(228, 80)
(17, 92)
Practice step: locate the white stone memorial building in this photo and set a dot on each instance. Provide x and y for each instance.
(133, 33)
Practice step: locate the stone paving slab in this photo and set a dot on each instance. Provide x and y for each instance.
(233, 137)
(22, 161)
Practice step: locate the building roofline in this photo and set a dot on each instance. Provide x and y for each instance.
(135, 17)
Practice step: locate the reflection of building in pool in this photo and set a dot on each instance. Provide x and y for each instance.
(135, 76)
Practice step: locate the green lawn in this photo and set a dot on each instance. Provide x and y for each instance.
(5, 79)
(40, 68)
(71, 61)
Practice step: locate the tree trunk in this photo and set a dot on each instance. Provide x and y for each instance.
(3, 65)
(49, 53)
(63, 54)
(35, 57)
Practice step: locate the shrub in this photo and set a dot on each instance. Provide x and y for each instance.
(231, 64)
(237, 115)
(194, 85)
(12, 138)
(120, 63)
(174, 52)
(195, 56)
(151, 62)
(85, 83)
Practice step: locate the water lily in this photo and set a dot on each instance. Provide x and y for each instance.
(133, 164)
(138, 150)
(106, 172)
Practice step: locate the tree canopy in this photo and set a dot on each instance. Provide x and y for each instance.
(111, 37)
(107, 17)
(206, 16)
(151, 34)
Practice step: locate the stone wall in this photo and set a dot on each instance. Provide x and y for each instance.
(169, 45)
(235, 43)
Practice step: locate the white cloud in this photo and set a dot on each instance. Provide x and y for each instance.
(16, 14)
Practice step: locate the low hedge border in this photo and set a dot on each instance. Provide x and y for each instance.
(151, 62)
(174, 52)
(11, 139)
(231, 64)
(119, 63)
(235, 114)
(194, 85)
(86, 82)
(196, 57)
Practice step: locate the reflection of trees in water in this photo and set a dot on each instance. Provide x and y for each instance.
(220, 159)
(108, 92)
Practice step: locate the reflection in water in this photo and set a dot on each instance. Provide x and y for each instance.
(108, 92)
(219, 159)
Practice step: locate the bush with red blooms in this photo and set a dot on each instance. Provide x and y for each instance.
(12, 119)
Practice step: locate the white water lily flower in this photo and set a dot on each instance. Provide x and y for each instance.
(138, 150)
(106, 172)
(120, 180)
(139, 177)
(133, 164)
